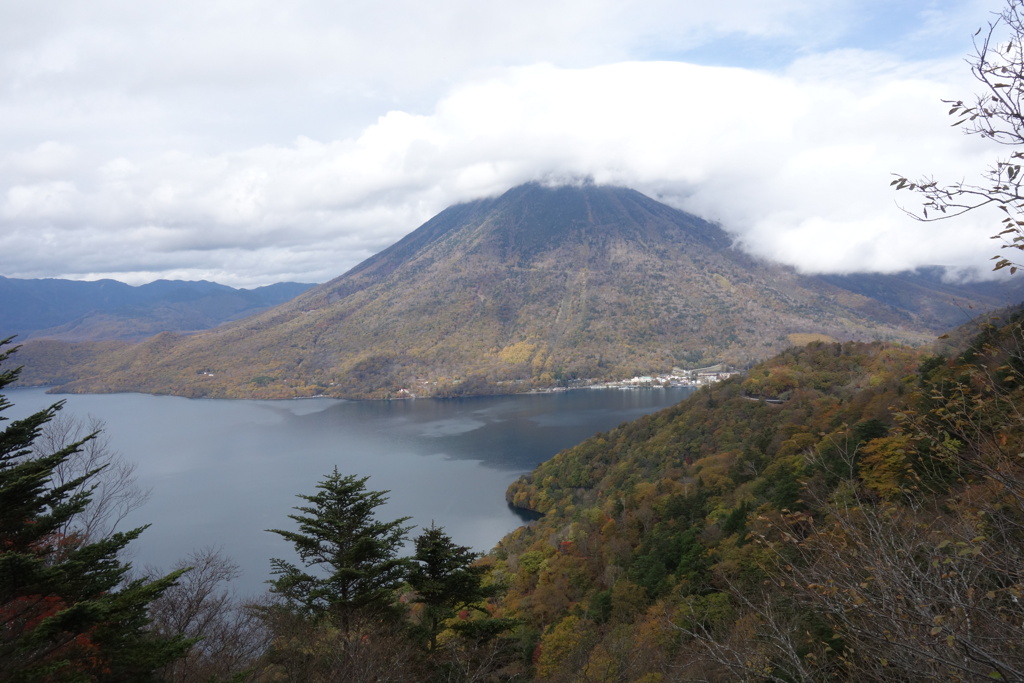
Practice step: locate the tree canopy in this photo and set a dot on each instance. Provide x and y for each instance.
(68, 610)
(446, 580)
(354, 557)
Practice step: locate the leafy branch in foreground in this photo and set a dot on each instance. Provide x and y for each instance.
(996, 114)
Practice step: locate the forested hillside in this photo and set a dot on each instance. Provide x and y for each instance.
(844, 510)
(531, 289)
(847, 511)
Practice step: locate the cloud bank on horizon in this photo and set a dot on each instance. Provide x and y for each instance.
(250, 143)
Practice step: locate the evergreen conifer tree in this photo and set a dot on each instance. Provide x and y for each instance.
(67, 612)
(445, 580)
(449, 583)
(354, 555)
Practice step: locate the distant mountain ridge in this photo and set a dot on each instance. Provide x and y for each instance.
(532, 289)
(72, 310)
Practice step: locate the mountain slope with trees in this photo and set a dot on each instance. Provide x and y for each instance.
(847, 511)
(844, 510)
(530, 289)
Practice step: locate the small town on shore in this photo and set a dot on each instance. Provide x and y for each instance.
(678, 377)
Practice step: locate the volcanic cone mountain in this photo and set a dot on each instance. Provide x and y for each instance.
(528, 289)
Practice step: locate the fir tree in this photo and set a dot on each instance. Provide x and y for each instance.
(446, 581)
(354, 555)
(67, 611)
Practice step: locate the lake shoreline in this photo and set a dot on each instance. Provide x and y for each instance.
(222, 471)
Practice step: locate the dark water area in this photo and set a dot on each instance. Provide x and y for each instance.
(222, 472)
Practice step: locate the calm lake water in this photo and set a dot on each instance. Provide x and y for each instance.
(222, 472)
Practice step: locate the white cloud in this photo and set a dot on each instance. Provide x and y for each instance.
(277, 141)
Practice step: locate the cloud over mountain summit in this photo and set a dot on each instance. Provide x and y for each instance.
(253, 144)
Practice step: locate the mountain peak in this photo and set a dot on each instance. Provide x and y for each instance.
(534, 220)
(531, 288)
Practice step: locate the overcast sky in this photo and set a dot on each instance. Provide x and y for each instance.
(260, 141)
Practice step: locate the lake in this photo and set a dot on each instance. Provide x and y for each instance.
(222, 472)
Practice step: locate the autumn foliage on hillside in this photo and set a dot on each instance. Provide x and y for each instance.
(532, 289)
(845, 510)
(850, 511)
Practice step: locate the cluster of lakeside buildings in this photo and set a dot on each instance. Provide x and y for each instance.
(679, 377)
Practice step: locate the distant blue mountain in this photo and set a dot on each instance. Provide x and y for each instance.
(71, 310)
